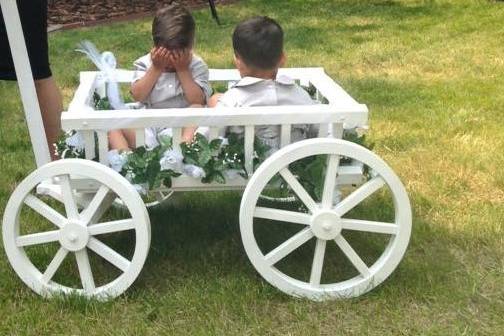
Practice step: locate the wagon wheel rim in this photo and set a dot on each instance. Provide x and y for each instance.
(77, 232)
(325, 221)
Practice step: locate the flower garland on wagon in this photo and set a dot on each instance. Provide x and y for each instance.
(147, 168)
(217, 160)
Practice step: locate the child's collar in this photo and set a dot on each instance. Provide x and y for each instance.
(248, 80)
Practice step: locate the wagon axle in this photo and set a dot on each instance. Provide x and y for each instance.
(326, 225)
(74, 235)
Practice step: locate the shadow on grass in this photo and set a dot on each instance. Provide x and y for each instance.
(198, 242)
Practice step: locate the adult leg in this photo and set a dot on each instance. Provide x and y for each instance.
(51, 105)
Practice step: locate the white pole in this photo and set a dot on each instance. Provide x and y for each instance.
(25, 81)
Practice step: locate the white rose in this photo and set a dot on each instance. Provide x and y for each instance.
(116, 160)
(76, 141)
(129, 176)
(165, 133)
(225, 142)
(172, 159)
(141, 188)
(194, 171)
(232, 174)
(205, 131)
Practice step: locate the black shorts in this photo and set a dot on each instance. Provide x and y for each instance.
(33, 15)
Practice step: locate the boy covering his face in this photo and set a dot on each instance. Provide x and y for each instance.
(170, 76)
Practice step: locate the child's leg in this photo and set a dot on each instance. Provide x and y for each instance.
(130, 136)
(188, 132)
(118, 139)
(212, 101)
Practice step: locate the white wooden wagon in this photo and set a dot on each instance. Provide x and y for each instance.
(86, 189)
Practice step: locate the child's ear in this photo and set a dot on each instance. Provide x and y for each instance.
(236, 60)
(238, 63)
(283, 60)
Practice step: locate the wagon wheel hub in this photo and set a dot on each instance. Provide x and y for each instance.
(326, 225)
(74, 235)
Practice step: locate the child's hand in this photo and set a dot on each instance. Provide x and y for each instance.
(160, 58)
(181, 59)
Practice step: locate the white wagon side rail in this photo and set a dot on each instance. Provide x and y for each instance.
(324, 85)
(351, 116)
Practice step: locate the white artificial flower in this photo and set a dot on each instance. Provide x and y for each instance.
(172, 159)
(129, 176)
(194, 171)
(232, 174)
(76, 141)
(141, 188)
(225, 142)
(116, 160)
(167, 132)
(205, 131)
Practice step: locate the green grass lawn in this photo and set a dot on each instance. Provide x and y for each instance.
(432, 75)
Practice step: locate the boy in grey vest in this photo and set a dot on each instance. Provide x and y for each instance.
(258, 49)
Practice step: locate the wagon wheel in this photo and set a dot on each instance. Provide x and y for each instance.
(70, 231)
(325, 225)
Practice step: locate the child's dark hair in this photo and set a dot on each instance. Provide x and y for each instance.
(259, 42)
(173, 28)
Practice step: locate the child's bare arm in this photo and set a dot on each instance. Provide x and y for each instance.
(141, 89)
(214, 99)
(192, 91)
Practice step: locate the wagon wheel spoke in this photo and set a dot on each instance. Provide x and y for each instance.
(97, 203)
(108, 254)
(45, 210)
(330, 180)
(318, 262)
(85, 272)
(113, 226)
(282, 215)
(299, 189)
(54, 265)
(68, 198)
(359, 195)
(37, 238)
(352, 256)
(289, 246)
(369, 226)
